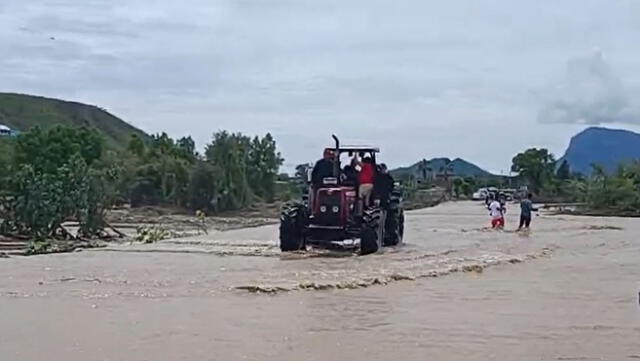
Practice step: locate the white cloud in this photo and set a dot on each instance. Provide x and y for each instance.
(420, 78)
(592, 94)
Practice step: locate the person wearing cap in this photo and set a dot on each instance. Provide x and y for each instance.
(323, 168)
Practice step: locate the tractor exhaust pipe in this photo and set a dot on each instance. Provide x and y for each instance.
(336, 163)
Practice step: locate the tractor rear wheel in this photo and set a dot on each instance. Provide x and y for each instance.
(292, 221)
(394, 228)
(372, 231)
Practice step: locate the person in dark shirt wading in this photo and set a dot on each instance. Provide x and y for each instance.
(526, 207)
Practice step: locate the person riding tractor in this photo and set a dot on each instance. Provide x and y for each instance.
(339, 207)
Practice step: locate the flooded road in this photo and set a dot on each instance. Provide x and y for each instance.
(455, 291)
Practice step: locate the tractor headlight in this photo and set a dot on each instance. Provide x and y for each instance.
(336, 209)
(323, 209)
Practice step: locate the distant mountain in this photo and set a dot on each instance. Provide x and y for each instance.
(21, 112)
(606, 147)
(460, 168)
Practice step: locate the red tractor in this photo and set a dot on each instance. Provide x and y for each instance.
(334, 212)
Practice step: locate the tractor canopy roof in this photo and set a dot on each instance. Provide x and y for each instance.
(355, 149)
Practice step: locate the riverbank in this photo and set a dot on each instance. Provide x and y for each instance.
(582, 209)
(125, 225)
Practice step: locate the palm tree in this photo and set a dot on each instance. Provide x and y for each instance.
(447, 172)
(423, 169)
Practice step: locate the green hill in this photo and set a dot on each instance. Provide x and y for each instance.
(460, 168)
(21, 112)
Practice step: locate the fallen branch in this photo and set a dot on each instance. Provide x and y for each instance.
(68, 234)
(119, 233)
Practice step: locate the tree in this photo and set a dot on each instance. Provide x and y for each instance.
(535, 166)
(136, 145)
(467, 189)
(263, 164)
(59, 174)
(424, 169)
(228, 153)
(188, 147)
(447, 170)
(48, 150)
(564, 171)
(6, 156)
(457, 187)
(203, 187)
(247, 168)
(158, 172)
(462, 187)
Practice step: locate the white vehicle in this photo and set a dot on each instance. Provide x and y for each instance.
(480, 194)
(4, 130)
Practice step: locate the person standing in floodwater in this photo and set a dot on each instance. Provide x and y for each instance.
(526, 207)
(496, 213)
(365, 178)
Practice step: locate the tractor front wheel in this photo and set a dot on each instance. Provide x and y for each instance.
(372, 231)
(292, 228)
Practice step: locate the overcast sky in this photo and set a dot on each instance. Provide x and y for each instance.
(480, 80)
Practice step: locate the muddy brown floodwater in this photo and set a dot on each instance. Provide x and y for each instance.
(455, 291)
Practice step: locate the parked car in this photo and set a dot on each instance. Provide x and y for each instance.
(480, 194)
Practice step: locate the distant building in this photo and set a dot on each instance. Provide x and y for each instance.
(7, 132)
(4, 130)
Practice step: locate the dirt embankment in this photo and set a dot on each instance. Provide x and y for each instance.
(425, 198)
(582, 209)
(125, 224)
(180, 223)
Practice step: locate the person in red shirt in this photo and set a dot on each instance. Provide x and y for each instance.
(366, 178)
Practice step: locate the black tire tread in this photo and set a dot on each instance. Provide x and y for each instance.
(291, 228)
(369, 242)
(394, 228)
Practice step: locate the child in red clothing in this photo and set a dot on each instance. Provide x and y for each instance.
(366, 177)
(496, 211)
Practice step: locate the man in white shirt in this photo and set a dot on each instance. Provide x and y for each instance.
(496, 212)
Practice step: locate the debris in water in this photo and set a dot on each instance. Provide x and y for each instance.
(262, 289)
(314, 286)
(399, 277)
(473, 268)
(603, 228)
